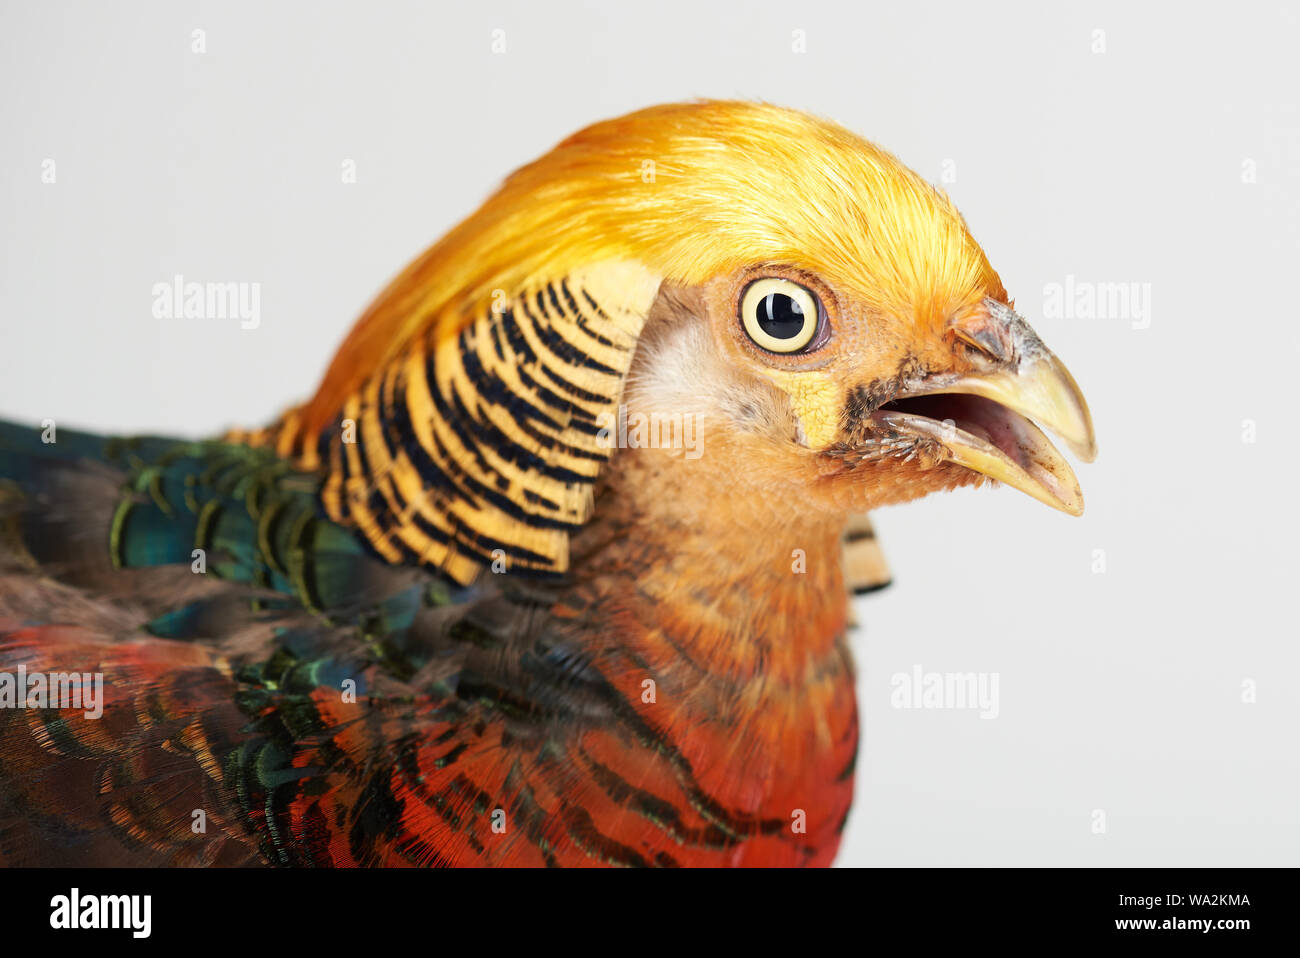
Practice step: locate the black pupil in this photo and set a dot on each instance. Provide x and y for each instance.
(780, 316)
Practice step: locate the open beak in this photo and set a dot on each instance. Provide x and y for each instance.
(986, 421)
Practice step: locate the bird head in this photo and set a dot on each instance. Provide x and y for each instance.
(822, 313)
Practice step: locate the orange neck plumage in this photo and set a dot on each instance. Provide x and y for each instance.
(736, 616)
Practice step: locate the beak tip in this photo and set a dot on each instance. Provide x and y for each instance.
(1068, 500)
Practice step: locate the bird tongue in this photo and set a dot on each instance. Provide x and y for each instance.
(991, 439)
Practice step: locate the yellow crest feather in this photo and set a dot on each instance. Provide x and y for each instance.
(689, 191)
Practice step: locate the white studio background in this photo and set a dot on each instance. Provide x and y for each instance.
(1091, 143)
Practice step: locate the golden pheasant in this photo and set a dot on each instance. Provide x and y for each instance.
(554, 567)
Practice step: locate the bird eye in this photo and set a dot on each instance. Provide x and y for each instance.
(780, 316)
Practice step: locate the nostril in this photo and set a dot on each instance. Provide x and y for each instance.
(987, 340)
